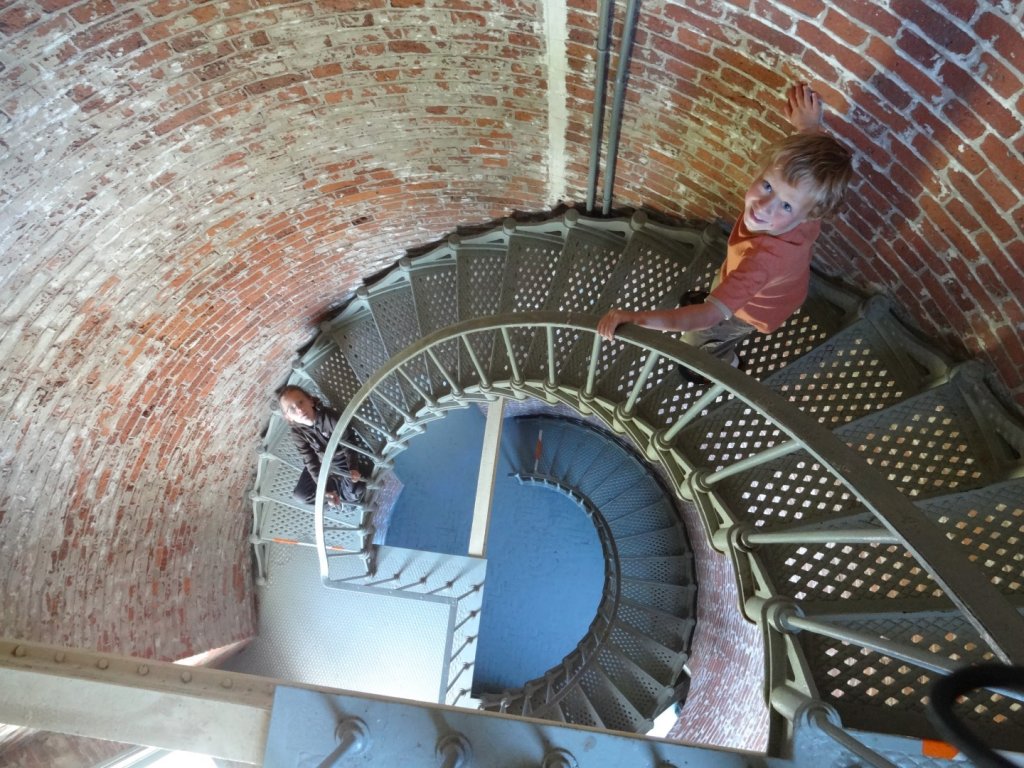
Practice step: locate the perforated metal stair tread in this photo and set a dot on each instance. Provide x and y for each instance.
(664, 663)
(875, 692)
(642, 690)
(673, 569)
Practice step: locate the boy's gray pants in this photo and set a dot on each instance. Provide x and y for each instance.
(721, 340)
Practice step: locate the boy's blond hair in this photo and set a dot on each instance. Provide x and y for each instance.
(819, 159)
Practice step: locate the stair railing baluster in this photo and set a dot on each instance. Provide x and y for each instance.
(664, 439)
(798, 707)
(595, 354)
(465, 665)
(549, 333)
(377, 428)
(864, 535)
(484, 381)
(472, 615)
(430, 402)
(517, 377)
(408, 417)
(456, 389)
(377, 459)
(638, 387)
(786, 616)
(704, 480)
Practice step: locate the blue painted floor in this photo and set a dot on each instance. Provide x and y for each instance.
(544, 563)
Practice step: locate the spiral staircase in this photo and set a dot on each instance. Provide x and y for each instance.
(867, 488)
(630, 665)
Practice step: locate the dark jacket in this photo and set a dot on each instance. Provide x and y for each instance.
(311, 443)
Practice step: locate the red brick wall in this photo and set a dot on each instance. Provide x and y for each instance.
(928, 93)
(188, 188)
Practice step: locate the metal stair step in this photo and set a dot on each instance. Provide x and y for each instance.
(588, 259)
(652, 273)
(662, 663)
(926, 445)
(661, 542)
(875, 692)
(667, 630)
(640, 519)
(294, 526)
(676, 599)
(530, 268)
(987, 522)
(616, 710)
(576, 708)
(857, 370)
(645, 692)
(672, 569)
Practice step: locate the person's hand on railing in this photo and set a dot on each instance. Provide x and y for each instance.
(613, 319)
(332, 498)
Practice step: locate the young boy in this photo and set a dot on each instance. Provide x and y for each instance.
(766, 271)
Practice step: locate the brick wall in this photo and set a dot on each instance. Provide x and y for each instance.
(189, 188)
(928, 93)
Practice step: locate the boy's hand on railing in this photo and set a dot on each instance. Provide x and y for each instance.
(803, 108)
(613, 319)
(332, 498)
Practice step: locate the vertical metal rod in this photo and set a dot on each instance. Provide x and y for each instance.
(430, 401)
(595, 350)
(693, 411)
(456, 389)
(899, 651)
(606, 10)
(376, 428)
(907, 653)
(865, 535)
(775, 452)
(550, 333)
(848, 742)
(516, 376)
(465, 665)
(618, 102)
(484, 382)
(471, 615)
(345, 444)
(409, 418)
(641, 380)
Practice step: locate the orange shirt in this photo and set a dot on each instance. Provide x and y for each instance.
(764, 278)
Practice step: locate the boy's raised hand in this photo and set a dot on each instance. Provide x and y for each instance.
(803, 108)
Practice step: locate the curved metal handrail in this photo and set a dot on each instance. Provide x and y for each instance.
(982, 604)
(999, 625)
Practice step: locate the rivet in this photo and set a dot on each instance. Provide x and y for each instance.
(19, 650)
(143, 669)
(226, 683)
(59, 656)
(102, 663)
(186, 677)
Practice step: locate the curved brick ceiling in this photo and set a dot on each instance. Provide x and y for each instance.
(187, 189)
